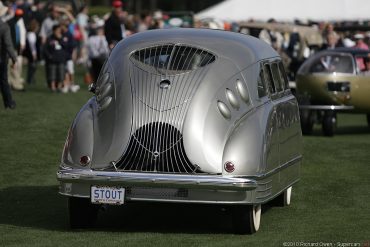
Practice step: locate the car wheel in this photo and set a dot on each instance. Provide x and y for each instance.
(306, 115)
(82, 214)
(307, 121)
(329, 123)
(283, 199)
(247, 219)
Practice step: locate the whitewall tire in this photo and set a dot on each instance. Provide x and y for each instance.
(246, 219)
(287, 196)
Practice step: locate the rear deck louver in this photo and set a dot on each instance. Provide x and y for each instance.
(156, 147)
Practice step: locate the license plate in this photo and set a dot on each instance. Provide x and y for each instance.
(107, 195)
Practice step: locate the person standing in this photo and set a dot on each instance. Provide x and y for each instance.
(55, 56)
(6, 48)
(98, 51)
(69, 48)
(114, 27)
(18, 34)
(332, 41)
(45, 31)
(82, 23)
(47, 25)
(31, 50)
(360, 43)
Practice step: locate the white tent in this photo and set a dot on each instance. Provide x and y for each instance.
(289, 10)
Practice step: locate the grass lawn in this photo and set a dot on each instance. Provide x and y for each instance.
(329, 204)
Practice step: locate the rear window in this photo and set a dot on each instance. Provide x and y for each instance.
(261, 85)
(268, 78)
(279, 84)
(283, 76)
(171, 59)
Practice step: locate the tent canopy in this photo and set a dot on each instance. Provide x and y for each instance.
(289, 10)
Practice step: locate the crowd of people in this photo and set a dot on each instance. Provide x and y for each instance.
(294, 47)
(52, 35)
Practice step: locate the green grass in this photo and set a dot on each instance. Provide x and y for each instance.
(329, 204)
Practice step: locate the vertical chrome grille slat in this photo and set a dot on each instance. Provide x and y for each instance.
(159, 113)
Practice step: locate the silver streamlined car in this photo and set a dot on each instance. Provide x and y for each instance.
(185, 116)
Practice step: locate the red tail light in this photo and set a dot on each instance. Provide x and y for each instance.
(85, 160)
(229, 167)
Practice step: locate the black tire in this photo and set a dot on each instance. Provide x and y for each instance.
(246, 219)
(307, 121)
(307, 117)
(283, 199)
(329, 123)
(82, 214)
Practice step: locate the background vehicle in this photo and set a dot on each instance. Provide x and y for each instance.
(332, 81)
(179, 19)
(185, 116)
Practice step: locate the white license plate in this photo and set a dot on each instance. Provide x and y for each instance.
(107, 195)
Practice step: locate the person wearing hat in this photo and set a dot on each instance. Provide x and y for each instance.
(114, 27)
(18, 33)
(6, 49)
(359, 37)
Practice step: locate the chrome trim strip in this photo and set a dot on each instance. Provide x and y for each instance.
(187, 201)
(216, 182)
(75, 195)
(326, 107)
(276, 170)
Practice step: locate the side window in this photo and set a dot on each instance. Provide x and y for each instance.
(261, 85)
(283, 76)
(268, 78)
(276, 76)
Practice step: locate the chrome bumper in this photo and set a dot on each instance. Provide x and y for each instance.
(214, 182)
(327, 107)
(183, 188)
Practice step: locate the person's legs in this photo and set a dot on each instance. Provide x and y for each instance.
(4, 86)
(60, 74)
(68, 76)
(47, 74)
(14, 78)
(31, 72)
(52, 73)
(70, 68)
(19, 69)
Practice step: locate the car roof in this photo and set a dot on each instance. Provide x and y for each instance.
(242, 49)
(350, 50)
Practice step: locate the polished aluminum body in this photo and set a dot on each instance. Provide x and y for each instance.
(172, 107)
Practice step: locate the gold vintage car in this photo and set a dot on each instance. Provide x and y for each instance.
(332, 81)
